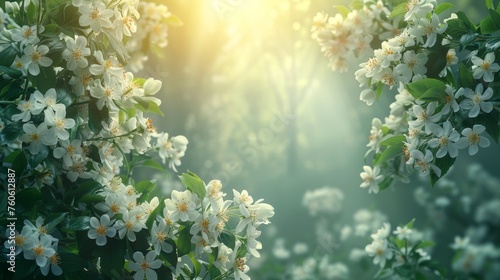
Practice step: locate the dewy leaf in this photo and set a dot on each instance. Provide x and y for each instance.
(418, 88)
(193, 183)
(400, 10)
(389, 153)
(442, 7)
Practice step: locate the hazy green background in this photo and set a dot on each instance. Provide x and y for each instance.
(227, 77)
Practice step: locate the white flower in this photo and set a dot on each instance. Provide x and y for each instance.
(75, 53)
(48, 100)
(413, 64)
(101, 229)
(252, 244)
(477, 100)
(28, 108)
(52, 263)
(424, 117)
(109, 67)
(450, 101)
(485, 68)
(380, 251)
(96, 15)
(367, 96)
(382, 233)
(446, 138)
(182, 206)
(376, 135)
(21, 64)
(371, 178)
(431, 29)
(145, 265)
(403, 232)
(473, 139)
(26, 35)
(223, 254)
(106, 95)
(423, 162)
(240, 264)
(57, 119)
(39, 249)
(255, 215)
(460, 243)
(124, 23)
(416, 9)
(129, 225)
(67, 150)
(159, 235)
(37, 137)
(37, 58)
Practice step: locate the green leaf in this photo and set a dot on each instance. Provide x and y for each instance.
(490, 122)
(13, 73)
(145, 186)
(489, 4)
(45, 80)
(444, 163)
(153, 164)
(385, 183)
(36, 159)
(442, 7)
(11, 132)
(92, 198)
(343, 10)
(71, 262)
(379, 89)
(87, 187)
(455, 28)
(469, 26)
(53, 220)
(196, 266)
(465, 77)
(27, 199)
(389, 153)
(112, 257)
(184, 242)
(418, 88)
(410, 223)
(487, 25)
(425, 244)
(433, 94)
(147, 106)
(174, 20)
(31, 13)
(7, 56)
(228, 239)
(158, 211)
(495, 17)
(393, 140)
(79, 223)
(400, 10)
(356, 4)
(19, 164)
(193, 183)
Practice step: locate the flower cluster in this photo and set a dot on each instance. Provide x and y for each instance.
(399, 253)
(36, 243)
(443, 105)
(474, 199)
(326, 200)
(351, 33)
(73, 127)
